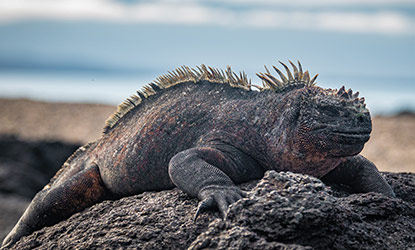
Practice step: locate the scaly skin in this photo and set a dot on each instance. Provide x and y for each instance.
(206, 137)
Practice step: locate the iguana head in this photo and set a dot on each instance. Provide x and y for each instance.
(322, 123)
(332, 121)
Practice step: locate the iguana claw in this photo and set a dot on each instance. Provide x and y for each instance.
(204, 205)
(218, 197)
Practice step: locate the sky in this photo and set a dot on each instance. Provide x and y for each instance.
(103, 50)
(374, 16)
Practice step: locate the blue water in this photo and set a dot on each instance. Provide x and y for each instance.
(61, 87)
(384, 95)
(105, 62)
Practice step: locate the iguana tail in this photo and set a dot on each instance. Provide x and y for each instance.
(61, 199)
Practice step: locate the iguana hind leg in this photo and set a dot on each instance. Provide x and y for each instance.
(59, 201)
(361, 175)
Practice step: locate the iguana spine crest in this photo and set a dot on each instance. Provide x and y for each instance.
(300, 78)
(205, 73)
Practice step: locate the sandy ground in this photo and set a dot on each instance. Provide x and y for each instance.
(391, 147)
(392, 143)
(72, 122)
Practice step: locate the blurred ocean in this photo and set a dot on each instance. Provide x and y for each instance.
(103, 51)
(83, 87)
(384, 95)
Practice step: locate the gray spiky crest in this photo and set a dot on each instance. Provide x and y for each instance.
(178, 76)
(203, 73)
(299, 78)
(351, 99)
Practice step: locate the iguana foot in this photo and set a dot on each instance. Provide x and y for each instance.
(218, 197)
(361, 175)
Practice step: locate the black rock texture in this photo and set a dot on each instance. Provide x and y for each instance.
(11, 208)
(282, 211)
(25, 167)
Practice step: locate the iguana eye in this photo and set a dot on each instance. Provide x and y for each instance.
(330, 111)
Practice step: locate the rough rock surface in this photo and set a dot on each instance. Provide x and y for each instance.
(25, 167)
(296, 209)
(11, 208)
(283, 211)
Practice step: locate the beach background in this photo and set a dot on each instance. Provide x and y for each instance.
(65, 65)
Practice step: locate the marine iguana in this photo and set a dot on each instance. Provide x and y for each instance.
(205, 130)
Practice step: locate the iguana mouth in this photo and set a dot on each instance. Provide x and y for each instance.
(350, 137)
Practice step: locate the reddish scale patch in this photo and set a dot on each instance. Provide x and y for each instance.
(93, 188)
(82, 190)
(315, 159)
(213, 156)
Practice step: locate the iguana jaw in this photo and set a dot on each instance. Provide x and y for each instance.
(349, 144)
(349, 137)
(340, 141)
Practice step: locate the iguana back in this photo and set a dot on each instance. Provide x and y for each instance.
(162, 125)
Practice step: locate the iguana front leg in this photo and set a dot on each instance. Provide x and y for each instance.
(361, 175)
(211, 174)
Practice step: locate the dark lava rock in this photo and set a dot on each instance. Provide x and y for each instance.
(300, 210)
(26, 166)
(18, 178)
(11, 208)
(283, 211)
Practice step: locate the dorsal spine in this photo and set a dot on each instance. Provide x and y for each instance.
(204, 73)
